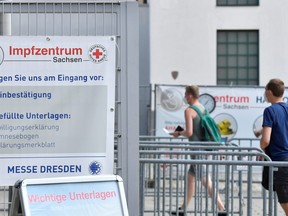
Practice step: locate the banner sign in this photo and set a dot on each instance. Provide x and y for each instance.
(238, 111)
(73, 196)
(56, 106)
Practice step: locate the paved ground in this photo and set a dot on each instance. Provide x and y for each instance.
(256, 206)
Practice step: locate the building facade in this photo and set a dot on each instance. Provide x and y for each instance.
(218, 42)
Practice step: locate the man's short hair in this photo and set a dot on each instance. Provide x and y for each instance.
(193, 90)
(276, 86)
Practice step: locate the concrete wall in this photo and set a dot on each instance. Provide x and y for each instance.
(183, 38)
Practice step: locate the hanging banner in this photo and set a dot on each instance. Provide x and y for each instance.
(237, 110)
(56, 106)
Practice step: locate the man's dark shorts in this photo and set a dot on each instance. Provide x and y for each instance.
(281, 184)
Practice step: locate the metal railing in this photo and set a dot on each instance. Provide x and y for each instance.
(234, 170)
(6, 194)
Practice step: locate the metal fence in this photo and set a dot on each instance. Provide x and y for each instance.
(246, 142)
(60, 18)
(235, 172)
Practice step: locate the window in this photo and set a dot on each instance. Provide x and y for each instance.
(237, 2)
(237, 58)
(142, 1)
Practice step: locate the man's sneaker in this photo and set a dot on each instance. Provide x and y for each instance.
(222, 214)
(180, 212)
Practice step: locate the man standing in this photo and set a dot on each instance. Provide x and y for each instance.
(275, 136)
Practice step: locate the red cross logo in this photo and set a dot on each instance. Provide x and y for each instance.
(97, 54)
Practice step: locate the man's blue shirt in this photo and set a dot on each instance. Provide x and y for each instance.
(276, 117)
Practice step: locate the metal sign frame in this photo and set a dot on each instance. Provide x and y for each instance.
(20, 199)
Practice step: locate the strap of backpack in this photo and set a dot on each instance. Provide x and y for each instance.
(198, 110)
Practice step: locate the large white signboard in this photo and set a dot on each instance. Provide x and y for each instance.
(238, 111)
(56, 106)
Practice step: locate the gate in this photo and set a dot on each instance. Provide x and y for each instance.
(87, 18)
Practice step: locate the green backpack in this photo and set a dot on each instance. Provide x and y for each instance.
(210, 129)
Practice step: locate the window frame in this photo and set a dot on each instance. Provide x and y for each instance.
(224, 61)
(237, 4)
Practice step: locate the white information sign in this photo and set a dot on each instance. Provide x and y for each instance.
(237, 110)
(73, 196)
(56, 106)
